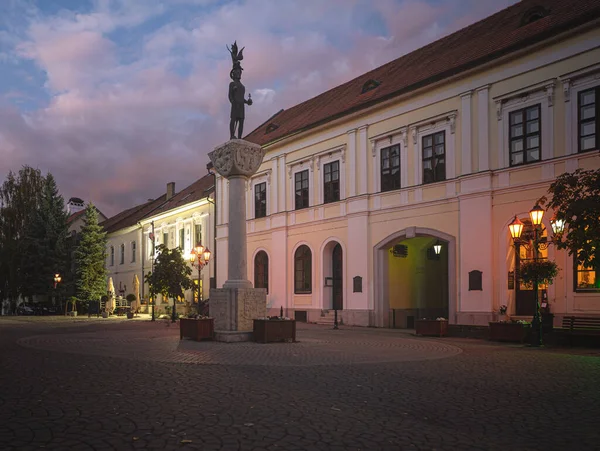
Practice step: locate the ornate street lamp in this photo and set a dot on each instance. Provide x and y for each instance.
(200, 256)
(516, 229)
(437, 247)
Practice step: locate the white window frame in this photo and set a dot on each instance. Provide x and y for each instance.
(377, 144)
(443, 123)
(264, 177)
(293, 169)
(122, 254)
(573, 83)
(133, 247)
(111, 256)
(322, 160)
(541, 93)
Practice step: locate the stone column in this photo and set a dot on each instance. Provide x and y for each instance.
(236, 304)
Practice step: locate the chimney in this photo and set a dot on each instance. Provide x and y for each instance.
(170, 190)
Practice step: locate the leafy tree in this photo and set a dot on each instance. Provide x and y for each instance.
(575, 198)
(171, 276)
(20, 195)
(44, 251)
(90, 258)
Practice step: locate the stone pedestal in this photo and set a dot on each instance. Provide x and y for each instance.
(234, 310)
(237, 304)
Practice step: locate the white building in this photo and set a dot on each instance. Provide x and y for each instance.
(443, 146)
(180, 219)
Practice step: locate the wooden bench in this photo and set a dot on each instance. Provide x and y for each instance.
(581, 325)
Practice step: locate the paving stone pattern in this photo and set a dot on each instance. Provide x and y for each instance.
(115, 385)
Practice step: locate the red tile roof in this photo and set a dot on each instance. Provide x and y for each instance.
(127, 218)
(498, 35)
(75, 215)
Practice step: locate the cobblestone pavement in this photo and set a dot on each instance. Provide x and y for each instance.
(79, 384)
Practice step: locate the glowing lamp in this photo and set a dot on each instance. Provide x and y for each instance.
(515, 227)
(536, 214)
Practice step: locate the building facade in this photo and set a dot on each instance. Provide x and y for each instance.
(178, 219)
(439, 149)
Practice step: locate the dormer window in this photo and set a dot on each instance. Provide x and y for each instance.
(271, 127)
(534, 14)
(369, 85)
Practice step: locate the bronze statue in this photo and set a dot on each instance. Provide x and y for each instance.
(237, 93)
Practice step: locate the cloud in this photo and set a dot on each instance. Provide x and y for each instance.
(138, 89)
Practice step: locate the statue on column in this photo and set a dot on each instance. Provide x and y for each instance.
(237, 93)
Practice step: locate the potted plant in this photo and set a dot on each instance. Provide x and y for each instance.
(196, 327)
(274, 328)
(431, 327)
(502, 312)
(131, 298)
(542, 271)
(515, 331)
(73, 301)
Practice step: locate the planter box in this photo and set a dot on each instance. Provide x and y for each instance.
(269, 331)
(514, 332)
(431, 327)
(196, 329)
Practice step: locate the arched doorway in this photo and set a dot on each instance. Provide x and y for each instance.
(524, 295)
(337, 272)
(332, 266)
(411, 280)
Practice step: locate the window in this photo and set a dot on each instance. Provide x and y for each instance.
(182, 238)
(525, 135)
(133, 251)
(260, 200)
(198, 233)
(434, 157)
(166, 239)
(588, 119)
(261, 270)
(112, 256)
(587, 278)
(122, 255)
(301, 189)
(390, 168)
(331, 182)
(303, 270)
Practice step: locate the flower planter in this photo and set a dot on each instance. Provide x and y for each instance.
(273, 330)
(431, 327)
(104, 314)
(129, 315)
(515, 332)
(196, 329)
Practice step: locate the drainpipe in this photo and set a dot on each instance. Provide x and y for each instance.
(211, 170)
(142, 256)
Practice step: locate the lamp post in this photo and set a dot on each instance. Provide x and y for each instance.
(200, 256)
(516, 228)
(57, 280)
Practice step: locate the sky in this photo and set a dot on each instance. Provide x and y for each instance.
(116, 98)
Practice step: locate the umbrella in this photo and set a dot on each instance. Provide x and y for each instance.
(136, 290)
(111, 295)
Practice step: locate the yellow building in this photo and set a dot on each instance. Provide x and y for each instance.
(443, 146)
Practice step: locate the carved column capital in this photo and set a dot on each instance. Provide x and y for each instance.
(237, 157)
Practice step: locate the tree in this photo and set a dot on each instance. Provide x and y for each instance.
(171, 276)
(575, 199)
(20, 196)
(90, 258)
(44, 251)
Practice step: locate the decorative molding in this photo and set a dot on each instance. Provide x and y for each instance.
(317, 160)
(499, 110)
(343, 154)
(466, 94)
(290, 172)
(524, 92)
(414, 135)
(373, 148)
(567, 89)
(550, 93)
(452, 120)
(404, 133)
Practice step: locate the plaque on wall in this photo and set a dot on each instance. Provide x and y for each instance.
(475, 280)
(357, 284)
(511, 280)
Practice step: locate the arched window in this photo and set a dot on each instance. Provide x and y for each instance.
(261, 270)
(303, 270)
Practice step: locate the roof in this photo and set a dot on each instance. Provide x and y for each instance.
(78, 214)
(498, 35)
(127, 218)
